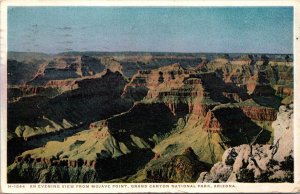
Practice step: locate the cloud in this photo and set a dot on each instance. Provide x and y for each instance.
(64, 28)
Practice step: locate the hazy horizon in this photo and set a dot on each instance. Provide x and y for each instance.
(54, 30)
(148, 52)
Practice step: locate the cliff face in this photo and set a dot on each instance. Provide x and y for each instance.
(261, 75)
(258, 162)
(212, 124)
(15, 93)
(143, 113)
(105, 146)
(215, 116)
(42, 170)
(20, 72)
(260, 113)
(91, 100)
(184, 89)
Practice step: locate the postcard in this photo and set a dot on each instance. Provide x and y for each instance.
(149, 96)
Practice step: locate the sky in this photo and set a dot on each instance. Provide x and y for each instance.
(156, 29)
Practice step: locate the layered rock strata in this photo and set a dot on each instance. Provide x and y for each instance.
(258, 162)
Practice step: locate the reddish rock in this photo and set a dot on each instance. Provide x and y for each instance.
(93, 164)
(178, 108)
(287, 91)
(211, 123)
(201, 109)
(99, 124)
(72, 163)
(156, 156)
(251, 84)
(60, 83)
(45, 161)
(260, 113)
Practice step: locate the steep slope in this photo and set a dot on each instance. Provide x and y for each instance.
(179, 168)
(210, 120)
(33, 116)
(99, 150)
(54, 75)
(89, 156)
(191, 96)
(93, 99)
(21, 72)
(258, 162)
(145, 117)
(267, 78)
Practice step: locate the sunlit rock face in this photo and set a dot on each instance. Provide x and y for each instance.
(283, 132)
(161, 117)
(258, 162)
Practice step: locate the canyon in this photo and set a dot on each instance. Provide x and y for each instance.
(149, 117)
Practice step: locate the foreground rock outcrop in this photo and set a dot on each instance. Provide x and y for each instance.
(283, 132)
(259, 163)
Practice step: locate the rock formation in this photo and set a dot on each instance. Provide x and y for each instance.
(258, 162)
(76, 117)
(179, 168)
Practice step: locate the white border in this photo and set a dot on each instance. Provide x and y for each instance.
(238, 187)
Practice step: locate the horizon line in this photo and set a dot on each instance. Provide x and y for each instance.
(180, 52)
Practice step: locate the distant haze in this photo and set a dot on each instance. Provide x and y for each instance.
(202, 29)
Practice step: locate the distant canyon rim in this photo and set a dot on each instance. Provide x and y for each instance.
(86, 117)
